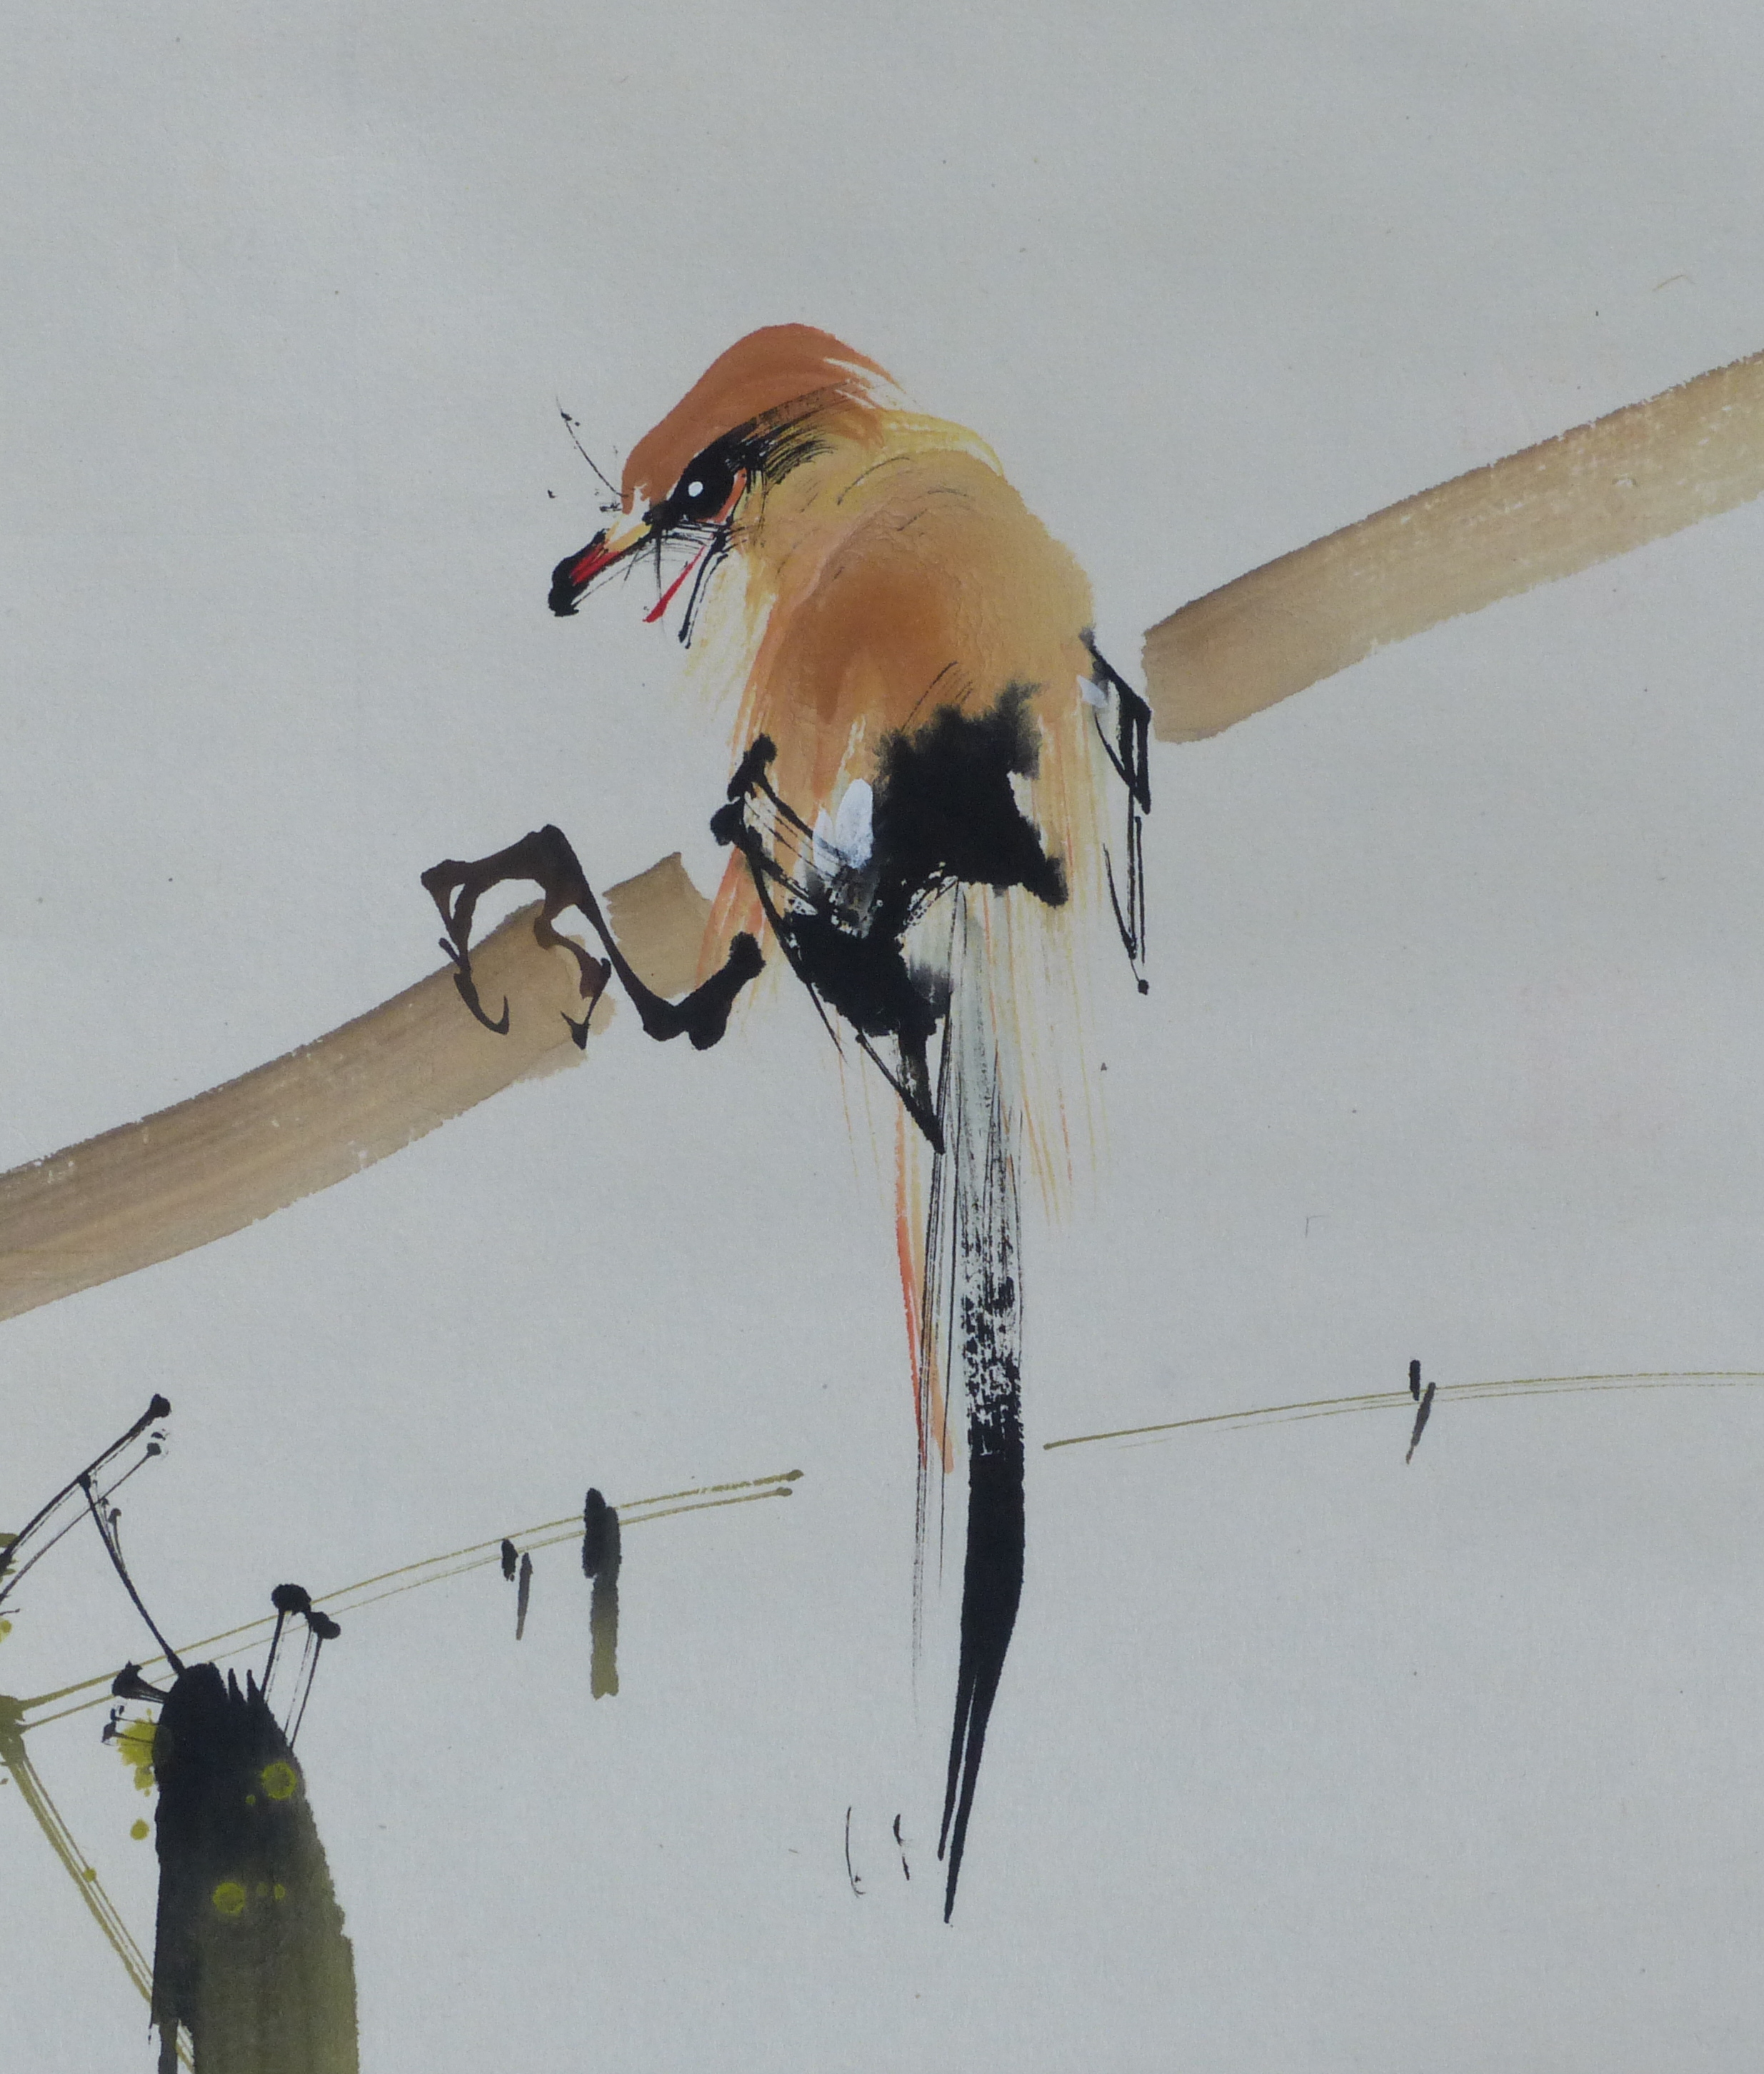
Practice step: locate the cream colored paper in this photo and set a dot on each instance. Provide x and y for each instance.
(1305, 1758)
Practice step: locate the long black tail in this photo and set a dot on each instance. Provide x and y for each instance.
(986, 1313)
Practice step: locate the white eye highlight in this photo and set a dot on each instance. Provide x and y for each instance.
(843, 842)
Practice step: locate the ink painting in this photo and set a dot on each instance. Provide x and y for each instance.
(880, 1184)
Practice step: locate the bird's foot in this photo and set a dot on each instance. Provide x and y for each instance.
(547, 859)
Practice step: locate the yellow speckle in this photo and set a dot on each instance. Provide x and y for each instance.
(91, 1873)
(228, 1898)
(133, 1745)
(251, 1800)
(280, 1892)
(138, 1830)
(280, 1780)
(6, 1629)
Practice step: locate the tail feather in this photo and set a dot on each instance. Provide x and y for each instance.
(973, 1305)
(992, 1586)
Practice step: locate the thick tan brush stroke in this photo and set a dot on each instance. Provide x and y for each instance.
(1553, 509)
(220, 1161)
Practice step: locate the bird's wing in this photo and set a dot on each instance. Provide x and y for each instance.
(926, 584)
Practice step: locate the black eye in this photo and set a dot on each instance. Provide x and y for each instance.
(705, 487)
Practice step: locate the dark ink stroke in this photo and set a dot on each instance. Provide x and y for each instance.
(1129, 752)
(286, 1599)
(14, 1559)
(524, 1596)
(857, 1884)
(1420, 1422)
(602, 1556)
(107, 1534)
(249, 1956)
(987, 1303)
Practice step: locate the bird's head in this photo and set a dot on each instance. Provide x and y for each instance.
(775, 400)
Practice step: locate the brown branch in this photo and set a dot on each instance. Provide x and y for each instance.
(221, 1160)
(1635, 475)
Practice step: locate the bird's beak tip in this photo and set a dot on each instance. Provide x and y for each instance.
(573, 575)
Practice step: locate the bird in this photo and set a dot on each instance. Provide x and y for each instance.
(937, 789)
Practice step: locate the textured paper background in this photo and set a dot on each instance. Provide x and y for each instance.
(1303, 1761)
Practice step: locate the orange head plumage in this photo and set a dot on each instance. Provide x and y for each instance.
(752, 409)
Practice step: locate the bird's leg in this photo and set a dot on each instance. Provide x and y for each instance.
(765, 828)
(545, 858)
(842, 933)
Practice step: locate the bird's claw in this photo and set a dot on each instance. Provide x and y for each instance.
(456, 890)
(468, 988)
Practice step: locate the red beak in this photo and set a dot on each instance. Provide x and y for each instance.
(573, 575)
